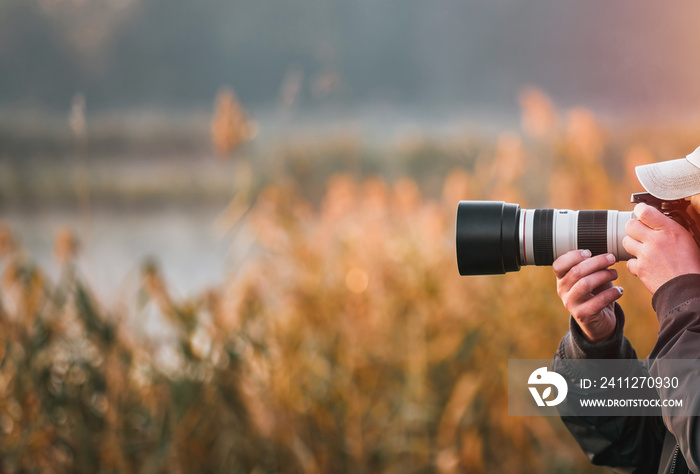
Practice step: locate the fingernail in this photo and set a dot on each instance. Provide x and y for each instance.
(585, 253)
(611, 258)
(619, 288)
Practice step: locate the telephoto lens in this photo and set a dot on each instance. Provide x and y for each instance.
(494, 237)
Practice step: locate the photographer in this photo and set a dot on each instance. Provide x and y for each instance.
(667, 261)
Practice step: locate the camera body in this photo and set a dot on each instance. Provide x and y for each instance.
(494, 237)
(675, 209)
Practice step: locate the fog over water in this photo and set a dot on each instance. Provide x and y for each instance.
(181, 241)
(623, 57)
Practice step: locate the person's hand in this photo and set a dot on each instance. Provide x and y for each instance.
(662, 247)
(584, 284)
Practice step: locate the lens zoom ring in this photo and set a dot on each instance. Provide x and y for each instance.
(542, 234)
(593, 231)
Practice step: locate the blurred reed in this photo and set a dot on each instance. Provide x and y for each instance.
(345, 343)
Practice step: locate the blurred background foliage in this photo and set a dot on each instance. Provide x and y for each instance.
(344, 341)
(227, 237)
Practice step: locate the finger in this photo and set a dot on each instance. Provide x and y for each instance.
(694, 207)
(632, 266)
(596, 304)
(632, 246)
(585, 287)
(638, 230)
(651, 216)
(693, 210)
(604, 286)
(564, 263)
(585, 268)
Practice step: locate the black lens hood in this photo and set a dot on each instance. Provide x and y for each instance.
(487, 237)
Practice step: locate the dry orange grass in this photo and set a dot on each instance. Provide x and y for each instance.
(347, 343)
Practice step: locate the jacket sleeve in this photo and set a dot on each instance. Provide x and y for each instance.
(624, 443)
(677, 305)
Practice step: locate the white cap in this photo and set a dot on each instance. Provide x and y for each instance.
(675, 179)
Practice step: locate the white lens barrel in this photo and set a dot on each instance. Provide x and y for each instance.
(547, 234)
(527, 249)
(565, 230)
(616, 232)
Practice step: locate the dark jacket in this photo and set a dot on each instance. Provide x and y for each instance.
(663, 444)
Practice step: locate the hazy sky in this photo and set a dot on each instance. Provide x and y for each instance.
(621, 56)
